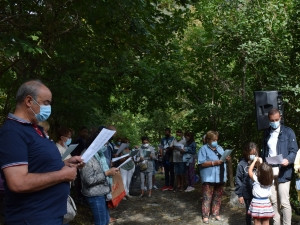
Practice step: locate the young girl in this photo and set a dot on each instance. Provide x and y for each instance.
(260, 208)
(243, 187)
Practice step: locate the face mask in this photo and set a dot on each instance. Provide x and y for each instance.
(251, 157)
(118, 143)
(45, 112)
(68, 142)
(214, 144)
(178, 138)
(275, 125)
(146, 145)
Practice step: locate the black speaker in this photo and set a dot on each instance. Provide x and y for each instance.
(264, 101)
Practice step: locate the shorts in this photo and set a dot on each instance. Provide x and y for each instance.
(179, 168)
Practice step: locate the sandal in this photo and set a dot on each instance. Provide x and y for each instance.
(205, 220)
(218, 218)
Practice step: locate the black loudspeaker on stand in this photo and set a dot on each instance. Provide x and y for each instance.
(264, 101)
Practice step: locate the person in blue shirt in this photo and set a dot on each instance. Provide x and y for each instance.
(36, 180)
(213, 176)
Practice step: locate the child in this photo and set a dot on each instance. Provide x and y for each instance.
(260, 208)
(243, 187)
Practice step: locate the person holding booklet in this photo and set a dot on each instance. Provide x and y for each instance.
(145, 157)
(63, 140)
(213, 176)
(279, 139)
(96, 179)
(126, 170)
(179, 166)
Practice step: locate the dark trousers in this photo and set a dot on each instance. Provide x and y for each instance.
(248, 217)
(169, 173)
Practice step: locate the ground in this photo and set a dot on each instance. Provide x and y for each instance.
(166, 207)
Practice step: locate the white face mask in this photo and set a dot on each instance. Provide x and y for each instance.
(146, 145)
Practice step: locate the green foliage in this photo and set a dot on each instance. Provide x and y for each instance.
(146, 65)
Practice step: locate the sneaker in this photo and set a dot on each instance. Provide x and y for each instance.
(128, 196)
(155, 187)
(165, 188)
(170, 188)
(189, 188)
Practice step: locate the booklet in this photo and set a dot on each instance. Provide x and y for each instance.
(134, 152)
(118, 158)
(68, 151)
(126, 161)
(275, 159)
(226, 153)
(121, 148)
(97, 144)
(147, 154)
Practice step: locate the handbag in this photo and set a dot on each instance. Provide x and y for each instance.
(298, 184)
(143, 165)
(117, 191)
(71, 210)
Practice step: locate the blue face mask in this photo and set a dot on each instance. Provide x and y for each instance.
(214, 144)
(68, 142)
(275, 124)
(251, 157)
(45, 112)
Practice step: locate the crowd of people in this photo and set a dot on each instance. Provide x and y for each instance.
(37, 180)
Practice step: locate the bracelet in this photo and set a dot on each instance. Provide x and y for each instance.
(212, 163)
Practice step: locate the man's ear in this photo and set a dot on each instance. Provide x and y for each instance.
(28, 101)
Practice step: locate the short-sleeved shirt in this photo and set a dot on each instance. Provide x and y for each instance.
(177, 155)
(260, 191)
(23, 144)
(210, 174)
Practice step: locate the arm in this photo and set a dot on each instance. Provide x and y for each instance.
(92, 174)
(202, 160)
(297, 163)
(19, 180)
(250, 170)
(292, 149)
(191, 149)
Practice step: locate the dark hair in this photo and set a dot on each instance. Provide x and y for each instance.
(247, 149)
(179, 131)
(273, 112)
(145, 138)
(265, 174)
(28, 88)
(63, 131)
(210, 135)
(168, 129)
(191, 136)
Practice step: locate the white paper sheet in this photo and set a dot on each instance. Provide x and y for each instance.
(126, 161)
(118, 158)
(226, 153)
(275, 159)
(121, 148)
(179, 146)
(68, 151)
(98, 143)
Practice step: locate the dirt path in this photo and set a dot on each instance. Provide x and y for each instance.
(168, 207)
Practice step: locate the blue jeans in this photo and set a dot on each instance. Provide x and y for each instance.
(99, 209)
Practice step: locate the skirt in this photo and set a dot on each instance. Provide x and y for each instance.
(261, 208)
